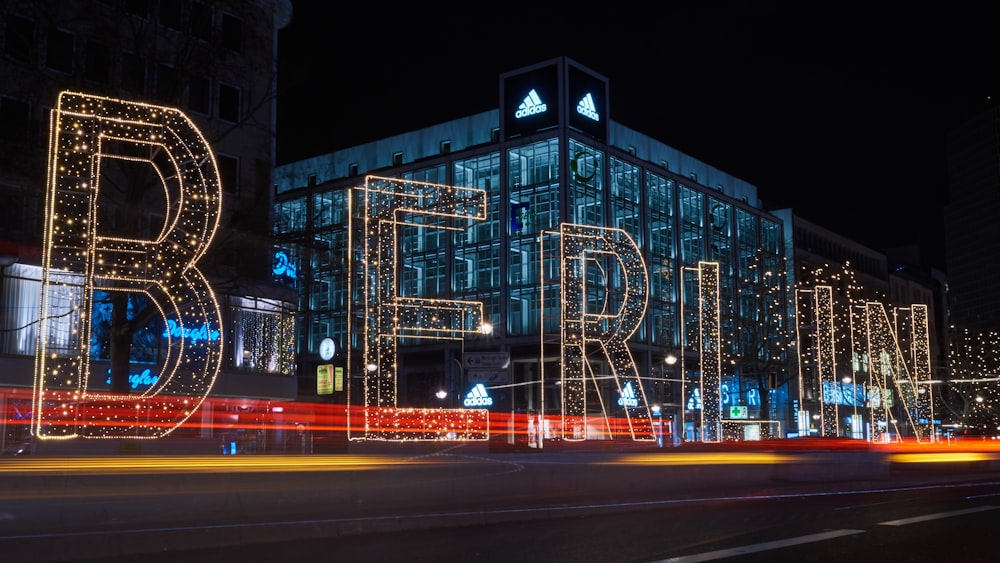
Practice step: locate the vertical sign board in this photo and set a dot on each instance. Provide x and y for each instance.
(338, 378)
(530, 101)
(324, 379)
(587, 103)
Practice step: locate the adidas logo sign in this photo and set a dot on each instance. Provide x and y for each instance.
(628, 398)
(532, 105)
(478, 397)
(587, 108)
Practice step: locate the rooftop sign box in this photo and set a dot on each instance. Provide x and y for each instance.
(541, 97)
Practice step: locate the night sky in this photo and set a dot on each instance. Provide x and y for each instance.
(839, 112)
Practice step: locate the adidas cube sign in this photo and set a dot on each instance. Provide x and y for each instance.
(531, 102)
(587, 96)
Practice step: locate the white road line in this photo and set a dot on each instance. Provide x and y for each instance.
(743, 550)
(936, 516)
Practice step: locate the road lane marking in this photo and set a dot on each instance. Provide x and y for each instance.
(936, 516)
(777, 544)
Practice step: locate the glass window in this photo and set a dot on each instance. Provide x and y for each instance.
(263, 336)
(19, 38)
(170, 13)
(232, 33)
(229, 103)
(59, 50)
(200, 94)
(133, 74)
(98, 64)
(229, 173)
(201, 21)
(13, 119)
(167, 83)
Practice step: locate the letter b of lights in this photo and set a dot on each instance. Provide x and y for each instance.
(80, 259)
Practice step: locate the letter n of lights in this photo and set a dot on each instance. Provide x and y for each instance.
(85, 130)
(889, 368)
(388, 205)
(604, 293)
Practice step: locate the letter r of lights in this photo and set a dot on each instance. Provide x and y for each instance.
(79, 256)
(604, 294)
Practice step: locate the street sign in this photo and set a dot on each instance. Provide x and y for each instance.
(488, 377)
(486, 360)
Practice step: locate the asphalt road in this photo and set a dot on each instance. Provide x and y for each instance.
(472, 506)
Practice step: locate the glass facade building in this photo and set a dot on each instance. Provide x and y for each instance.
(551, 156)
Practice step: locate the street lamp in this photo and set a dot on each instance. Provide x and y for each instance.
(484, 329)
(679, 406)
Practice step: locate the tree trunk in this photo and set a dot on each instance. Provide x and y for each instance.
(121, 342)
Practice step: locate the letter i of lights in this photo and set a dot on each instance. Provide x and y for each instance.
(84, 128)
(590, 256)
(826, 365)
(388, 205)
(710, 351)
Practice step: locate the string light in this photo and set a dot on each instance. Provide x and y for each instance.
(79, 259)
(389, 204)
(609, 251)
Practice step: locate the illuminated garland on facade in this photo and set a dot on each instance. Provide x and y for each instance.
(79, 259)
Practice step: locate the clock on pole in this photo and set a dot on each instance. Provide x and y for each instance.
(327, 348)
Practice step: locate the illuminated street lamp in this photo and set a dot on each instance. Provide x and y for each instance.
(679, 405)
(485, 329)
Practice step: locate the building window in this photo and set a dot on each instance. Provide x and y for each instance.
(229, 103)
(445, 147)
(312, 180)
(495, 135)
(170, 14)
(166, 83)
(138, 8)
(19, 38)
(232, 33)
(201, 21)
(352, 170)
(59, 51)
(397, 159)
(98, 62)
(229, 173)
(13, 119)
(133, 74)
(199, 95)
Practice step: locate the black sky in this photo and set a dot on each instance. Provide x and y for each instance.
(839, 111)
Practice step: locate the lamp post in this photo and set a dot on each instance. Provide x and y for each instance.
(671, 360)
(484, 329)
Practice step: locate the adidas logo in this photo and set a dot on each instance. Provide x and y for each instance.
(587, 108)
(478, 397)
(628, 398)
(532, 105)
